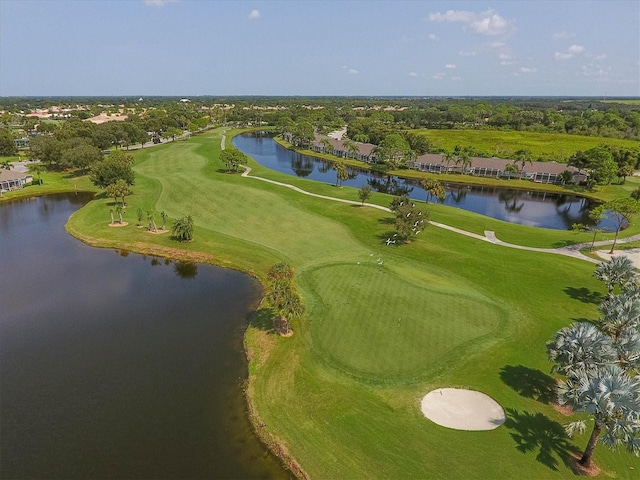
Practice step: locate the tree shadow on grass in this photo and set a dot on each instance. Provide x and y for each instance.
(584, 295)
(564, 243)
(536, 432)
(529, 383)
(262, 319)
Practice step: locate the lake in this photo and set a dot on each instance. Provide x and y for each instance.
(117, 365)
(533, 208)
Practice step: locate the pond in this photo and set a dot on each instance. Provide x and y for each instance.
(534, 208)
(117, 365)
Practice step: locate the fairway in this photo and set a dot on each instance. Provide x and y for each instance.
(384, 324)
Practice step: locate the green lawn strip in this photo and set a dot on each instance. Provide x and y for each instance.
(52, 182)
(334, 424)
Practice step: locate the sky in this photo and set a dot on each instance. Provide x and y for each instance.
(319, 48)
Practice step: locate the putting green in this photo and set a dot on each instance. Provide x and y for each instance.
(401, 330)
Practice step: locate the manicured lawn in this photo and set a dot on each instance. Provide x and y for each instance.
(343, 393)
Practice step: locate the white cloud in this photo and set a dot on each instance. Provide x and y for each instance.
(562, 56)
(528, 70)
(563, 35)
(456, 79)
(596, 72)
(450, 66)
(433, 37)
(602, 56)
(498, 44)
(488, 22)
(352, 71)
(158, 3)
(504, 56)
(576, 49)
(413, 74)
(254, 15)
(462, 53)
(438, 76)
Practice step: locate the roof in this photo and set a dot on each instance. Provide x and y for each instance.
(11, 175)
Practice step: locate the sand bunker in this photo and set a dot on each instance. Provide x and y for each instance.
(462, 409)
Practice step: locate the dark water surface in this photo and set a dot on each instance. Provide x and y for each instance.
(533, 208)
(117, 366)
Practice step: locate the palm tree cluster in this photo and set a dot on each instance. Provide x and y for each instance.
(283, 297)
(601, 363)
(183, 229)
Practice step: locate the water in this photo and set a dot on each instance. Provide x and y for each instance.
(534, 208)
(117, 365)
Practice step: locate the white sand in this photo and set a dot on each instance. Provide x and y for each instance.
(462, 409)
(632, 254)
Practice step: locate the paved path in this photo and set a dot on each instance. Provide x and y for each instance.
(489, 236)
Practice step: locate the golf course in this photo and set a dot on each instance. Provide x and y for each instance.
(384, 324)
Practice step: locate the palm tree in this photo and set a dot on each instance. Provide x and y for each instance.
(111, 212)
(524, 157)
(152, 222)
(612, 398)
(447, 157)
(163, 214)
(617, 271)
(119, 212)
(183, 229)
(620, 211)
(37, 168)
(433, 188)
(341, 173)
(580, 347)
(326, 145)
(351, 147)
(620, 313)
(282, 296)
(597, 215)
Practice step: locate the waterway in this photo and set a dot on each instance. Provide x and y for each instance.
(533, 208)
(117, 365)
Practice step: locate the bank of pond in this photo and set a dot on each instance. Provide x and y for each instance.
(533, 208)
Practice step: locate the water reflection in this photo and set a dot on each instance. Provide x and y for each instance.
(540, 209)
(186, 270)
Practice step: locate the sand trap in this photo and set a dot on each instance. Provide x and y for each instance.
(462, 409)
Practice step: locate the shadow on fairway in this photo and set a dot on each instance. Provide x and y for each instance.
(529, 383)
(564, 243)
(584, 295)
(537, 433)
(262, 319)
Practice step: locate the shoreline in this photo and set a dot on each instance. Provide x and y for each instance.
(460, 179)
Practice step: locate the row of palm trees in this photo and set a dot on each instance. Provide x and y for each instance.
(601, 363)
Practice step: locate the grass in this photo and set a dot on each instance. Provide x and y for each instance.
(343, 393)
(504, 144)
(52, 182)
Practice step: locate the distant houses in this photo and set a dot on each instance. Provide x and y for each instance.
(539, 172)
(13, 180)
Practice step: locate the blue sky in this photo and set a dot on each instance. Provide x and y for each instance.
(414, 48)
